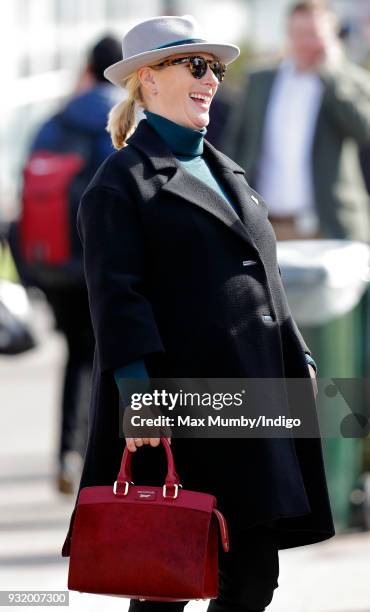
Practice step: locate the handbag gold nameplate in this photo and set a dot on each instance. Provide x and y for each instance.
(146, 494)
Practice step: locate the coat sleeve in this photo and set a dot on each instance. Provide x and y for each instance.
(302, 342)
(114, 261)
(294, 326)
(347, 99)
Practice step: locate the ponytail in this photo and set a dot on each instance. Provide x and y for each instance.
(121, 119)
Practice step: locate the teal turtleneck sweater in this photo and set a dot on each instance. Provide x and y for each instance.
(187, 146)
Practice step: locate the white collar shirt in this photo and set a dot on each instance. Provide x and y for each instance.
(284, 176)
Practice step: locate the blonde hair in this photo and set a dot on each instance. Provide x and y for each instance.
(121, 119)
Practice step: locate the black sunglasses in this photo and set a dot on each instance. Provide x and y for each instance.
(198, 66)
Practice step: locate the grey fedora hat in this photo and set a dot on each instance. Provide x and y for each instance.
(159, 37)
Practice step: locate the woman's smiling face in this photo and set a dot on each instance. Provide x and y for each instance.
(172, 92)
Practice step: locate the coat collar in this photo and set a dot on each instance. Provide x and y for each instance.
(184, 185)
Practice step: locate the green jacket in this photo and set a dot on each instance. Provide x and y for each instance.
(342, 127)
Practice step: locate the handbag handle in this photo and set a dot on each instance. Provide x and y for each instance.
(124, 477)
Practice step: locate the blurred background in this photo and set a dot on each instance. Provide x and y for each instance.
(54, 98)
(44, 44)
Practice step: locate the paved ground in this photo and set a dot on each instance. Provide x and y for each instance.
(330, 577)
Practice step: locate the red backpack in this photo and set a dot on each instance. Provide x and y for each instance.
(53, 182)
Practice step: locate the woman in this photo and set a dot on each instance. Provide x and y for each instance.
(180, 262)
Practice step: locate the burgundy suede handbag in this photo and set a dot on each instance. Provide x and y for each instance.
(145, 542)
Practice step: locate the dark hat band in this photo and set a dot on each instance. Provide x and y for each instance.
(186, 41)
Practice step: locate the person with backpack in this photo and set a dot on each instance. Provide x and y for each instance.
(64, 156)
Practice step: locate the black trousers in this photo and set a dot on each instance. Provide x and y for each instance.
(72, 315)
(248, 575)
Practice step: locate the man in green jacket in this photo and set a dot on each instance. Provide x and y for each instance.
(297, 130)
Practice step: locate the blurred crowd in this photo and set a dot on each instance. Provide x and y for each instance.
(299, 126)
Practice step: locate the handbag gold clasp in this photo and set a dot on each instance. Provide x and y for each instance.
(176, 491)
(126, 487)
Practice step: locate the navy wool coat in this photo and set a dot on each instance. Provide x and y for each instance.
(164, 267)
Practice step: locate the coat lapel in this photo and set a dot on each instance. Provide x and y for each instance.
(184, 185)
(233, 177)
(189, 188)
(264, 88)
